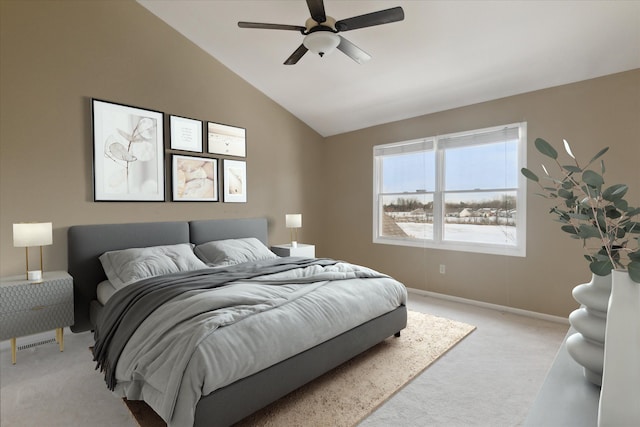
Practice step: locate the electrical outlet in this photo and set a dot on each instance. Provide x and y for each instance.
(442, 269)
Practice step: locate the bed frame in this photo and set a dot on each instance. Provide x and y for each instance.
(234, 402)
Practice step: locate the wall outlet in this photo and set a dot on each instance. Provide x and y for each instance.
(442, 269)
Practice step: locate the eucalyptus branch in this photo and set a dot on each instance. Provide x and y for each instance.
(592, 211)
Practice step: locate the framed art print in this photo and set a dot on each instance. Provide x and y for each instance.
(235, 181)
(186, 134)
(226, 140)
(194, 179)
(128, 153)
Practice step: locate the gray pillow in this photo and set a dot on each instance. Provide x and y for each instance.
(219, 253)
(130, 265)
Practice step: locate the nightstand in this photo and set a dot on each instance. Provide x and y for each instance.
(28, 307)
(302, 250)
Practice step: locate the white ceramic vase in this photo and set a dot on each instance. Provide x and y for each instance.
(586, 346)
(620, 393)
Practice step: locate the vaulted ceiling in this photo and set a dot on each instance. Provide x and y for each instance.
(444, 54)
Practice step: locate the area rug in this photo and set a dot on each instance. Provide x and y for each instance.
(346, 395)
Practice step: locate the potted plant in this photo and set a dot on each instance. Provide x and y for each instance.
(587, 211)
(590, 211)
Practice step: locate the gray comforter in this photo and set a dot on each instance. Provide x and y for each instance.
(174, 357)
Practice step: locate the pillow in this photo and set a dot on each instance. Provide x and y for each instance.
(129, 265)
(104, 291)
(219, 253)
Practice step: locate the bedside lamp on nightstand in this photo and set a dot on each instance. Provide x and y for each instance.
(32, 234)
(294, 221)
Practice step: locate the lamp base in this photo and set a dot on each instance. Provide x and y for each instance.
(34, 275)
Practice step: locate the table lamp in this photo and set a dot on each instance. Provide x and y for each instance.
(32, 234)
(294, 221)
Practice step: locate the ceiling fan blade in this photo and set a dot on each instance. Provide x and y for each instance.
(370, 19)
(295, 56)
(353, 51)
(264, 26)
(316, 8)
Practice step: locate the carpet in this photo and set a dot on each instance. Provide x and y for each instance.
(350, 392)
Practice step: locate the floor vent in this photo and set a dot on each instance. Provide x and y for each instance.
(37, 343)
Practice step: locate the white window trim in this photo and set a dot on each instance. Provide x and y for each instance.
(437, 243)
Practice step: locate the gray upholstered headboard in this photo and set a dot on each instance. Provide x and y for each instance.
(220, 229)
(88, 242)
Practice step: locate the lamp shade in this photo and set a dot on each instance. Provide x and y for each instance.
(293, 220)
(32, 234)
(321, 42)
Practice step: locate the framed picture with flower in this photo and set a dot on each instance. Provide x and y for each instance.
(194, 179)
(128, 153)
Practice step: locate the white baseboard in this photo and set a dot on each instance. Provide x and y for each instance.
(497, 307)
(44, 336)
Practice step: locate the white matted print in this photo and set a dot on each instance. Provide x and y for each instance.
(226, 140)
(186, 134)
(195, 179)
(235, 181)
(128, 153)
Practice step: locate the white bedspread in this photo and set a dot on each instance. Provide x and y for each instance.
(175, 357)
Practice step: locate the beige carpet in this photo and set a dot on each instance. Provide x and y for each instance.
(347, 394)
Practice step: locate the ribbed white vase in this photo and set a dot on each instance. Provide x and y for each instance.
(586, 346)
(620, 393)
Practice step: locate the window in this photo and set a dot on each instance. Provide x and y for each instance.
(461, 191)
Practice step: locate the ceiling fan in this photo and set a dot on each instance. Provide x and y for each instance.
(321, 31)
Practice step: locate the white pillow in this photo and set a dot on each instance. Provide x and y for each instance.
(104, 291)
(219, 253)
(130, 265)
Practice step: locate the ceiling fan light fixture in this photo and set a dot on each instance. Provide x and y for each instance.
(321, 42)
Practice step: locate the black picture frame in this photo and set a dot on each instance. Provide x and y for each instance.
(234, 181)
(128, 153)
(226, 140)
(194, 179)
(186, 134)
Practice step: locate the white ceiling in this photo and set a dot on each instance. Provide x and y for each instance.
(445, 54)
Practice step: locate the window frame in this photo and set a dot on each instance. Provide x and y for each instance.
(519, 249)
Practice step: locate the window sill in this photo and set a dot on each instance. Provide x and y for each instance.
(503, 250)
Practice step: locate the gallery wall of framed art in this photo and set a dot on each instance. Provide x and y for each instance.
(133, 161)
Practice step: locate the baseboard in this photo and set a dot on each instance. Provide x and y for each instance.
(44, 337)
(497, 307)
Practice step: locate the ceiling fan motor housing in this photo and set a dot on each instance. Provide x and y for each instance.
(321, 40)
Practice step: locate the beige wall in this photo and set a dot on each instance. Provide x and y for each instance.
(590, 115)
(55, 56)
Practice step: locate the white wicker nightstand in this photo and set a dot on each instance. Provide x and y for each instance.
(28, 307)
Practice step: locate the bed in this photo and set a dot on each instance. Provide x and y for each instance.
(251, 386)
